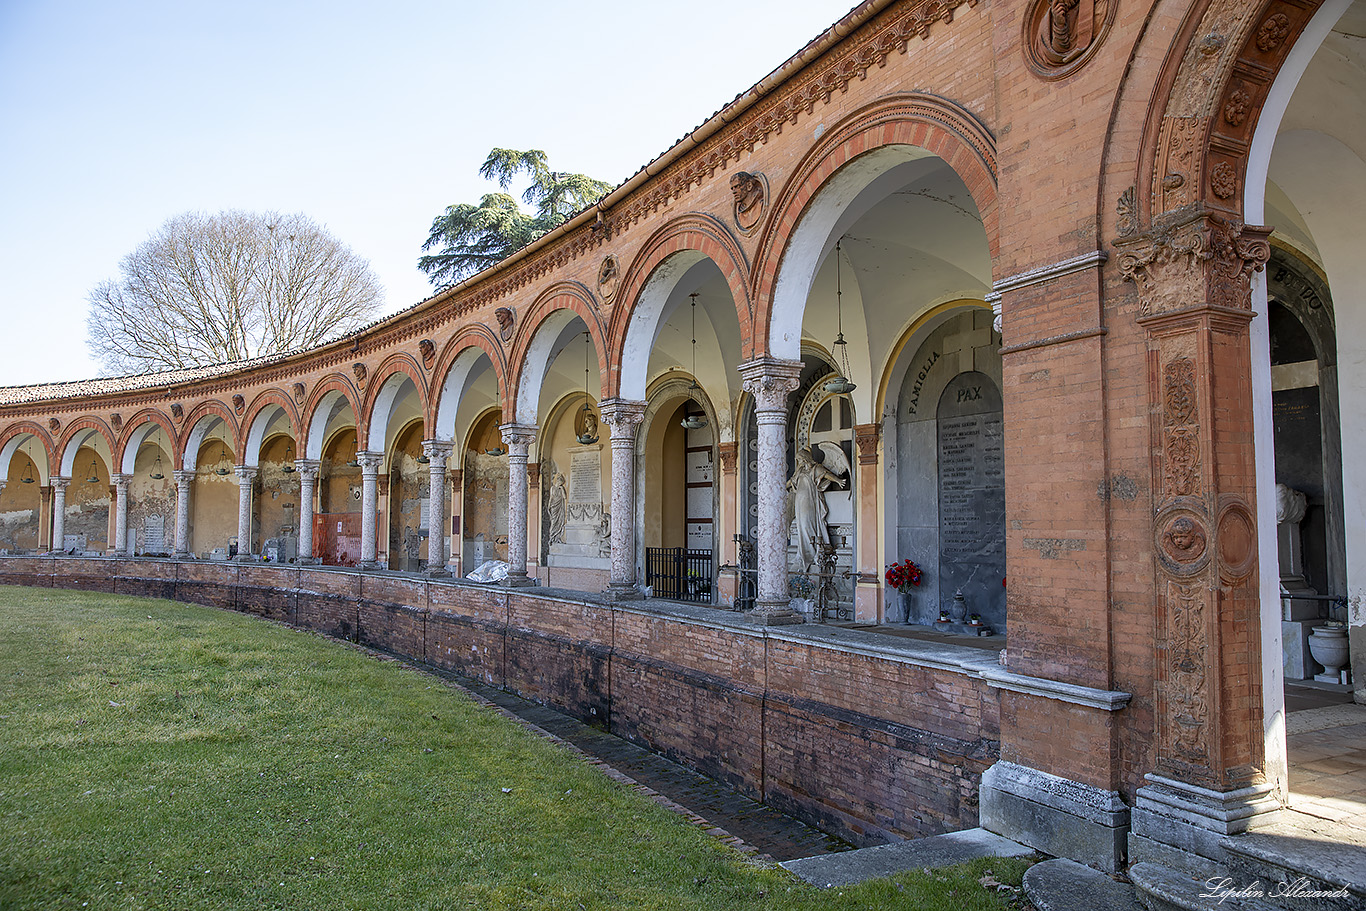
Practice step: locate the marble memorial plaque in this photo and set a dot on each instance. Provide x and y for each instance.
(585, 476)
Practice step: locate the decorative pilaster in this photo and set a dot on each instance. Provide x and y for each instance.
(624, 418)
(246, 479)
(868, 583)
(45, 518)
(308, 485)
(1193, 271)
(456, 478)
(369, 506)
(727, 583)
(518, 439)
(119, 546)
(184, 488)
(771, 381)
(437, 451)
(59, 513)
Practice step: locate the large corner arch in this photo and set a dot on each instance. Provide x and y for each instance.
(11, 440)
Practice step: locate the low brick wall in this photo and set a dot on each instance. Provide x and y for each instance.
(869, 737)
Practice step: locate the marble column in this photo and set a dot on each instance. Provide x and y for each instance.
(624, 418)
(437, 451)
(518, 439)
(184, 484)
(369, 505)
(308, 483)
(119, 545)
(246, 478)
(771, 381)
(59, 513)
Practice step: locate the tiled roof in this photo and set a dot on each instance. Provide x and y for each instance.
(19, 395)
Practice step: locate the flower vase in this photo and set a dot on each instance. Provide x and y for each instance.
(907, 617)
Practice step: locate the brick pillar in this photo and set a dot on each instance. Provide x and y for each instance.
(246, 479)
(868, 568)
(184, 484)
(771, 381)
(437, 451)
(1193, 270)
(624, 418)
(59, 486)
(308, 485)
(369, 505)
(120, 545)
(518, 438)
(727, 583)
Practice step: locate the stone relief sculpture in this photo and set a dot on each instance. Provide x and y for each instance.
(818, 467)
(557, 508)
(506, 319)
(1290, 505)
(749, 191)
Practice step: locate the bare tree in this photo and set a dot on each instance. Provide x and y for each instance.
(206, 289)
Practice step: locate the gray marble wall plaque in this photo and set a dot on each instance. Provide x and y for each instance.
(972, 547)
(585, 476)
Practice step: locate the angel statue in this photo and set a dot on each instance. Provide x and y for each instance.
(818, 467)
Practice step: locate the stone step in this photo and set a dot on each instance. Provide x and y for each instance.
(1165, 889)
(1065, 885)
(849, 867)
(1300, 855)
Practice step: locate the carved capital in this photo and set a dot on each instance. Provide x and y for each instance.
(770, 380)
(308, 469)
(438, 451)
(60, 483)
(729, 453)
(518, 438)
(121, 482)
(369, 463)
(1193, 258)
(533, 475)
(184, 476)
(866, 437)
(245, 474)
(623, 416)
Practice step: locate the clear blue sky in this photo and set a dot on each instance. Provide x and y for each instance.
(371, 118)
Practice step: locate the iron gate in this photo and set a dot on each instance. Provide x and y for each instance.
(679, 574)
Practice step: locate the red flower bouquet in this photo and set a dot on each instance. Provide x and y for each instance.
(901, 576)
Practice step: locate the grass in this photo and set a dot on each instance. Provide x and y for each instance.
(160, 755)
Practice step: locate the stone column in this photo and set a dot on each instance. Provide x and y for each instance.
(624, 418)
(119, 546)
(518, 438)
(771, 381)
(184, 484)
(308, 482)
(246, 477)
(438, 451)
(369, 505)
(59, 513)
(868, 605)
(1192, 270)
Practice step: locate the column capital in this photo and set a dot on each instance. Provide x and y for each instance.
(120, 479)
(184, 475)
(59, 483)
(518, 437)
(866, 437)
(729, 453)
(623, 416)
(369, 462)
(438, 451)
(770, 380)
(246, 474)
(308, 468)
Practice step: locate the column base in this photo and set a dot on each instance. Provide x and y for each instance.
(775, 613)
(308, 561)
(1174, 823)
(520, 580)
(245, 558)
(371, 565)
(182, 555)
(1056, 815)
(623, 591)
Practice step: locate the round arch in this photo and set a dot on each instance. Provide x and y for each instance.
(79, 433)
(197, 428)
(135, 432)
(661, 262)
(383, 393)
(329, 392)
(551, 312)
(278, 402)
(862, 147)
(14, 437)
(458, 371)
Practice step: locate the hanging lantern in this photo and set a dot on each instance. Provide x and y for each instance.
(27, 476)
(587, 419)
(839, 384)
(222, 469)
(694, 421)
(94, 473)
(288, 467)
(156, 474)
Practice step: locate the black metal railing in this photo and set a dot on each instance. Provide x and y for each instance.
(679, 574)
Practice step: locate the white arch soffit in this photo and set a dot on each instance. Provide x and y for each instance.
(198, 434)
(647, 319)
(14, 445)
(462, 373)
(257, 434)
(382, 412)
(1268, 559)
(538, 356)
(816, 233)
(74, 445)
(327, 409)
(135, 441)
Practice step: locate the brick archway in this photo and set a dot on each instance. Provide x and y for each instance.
(562, 296)
(147, 416)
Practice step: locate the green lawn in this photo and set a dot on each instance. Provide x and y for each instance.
(160, 755)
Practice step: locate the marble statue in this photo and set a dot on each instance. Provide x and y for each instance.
(818, 467)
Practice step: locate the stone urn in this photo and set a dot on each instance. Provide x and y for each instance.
(958, 610)
(1328, 645)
